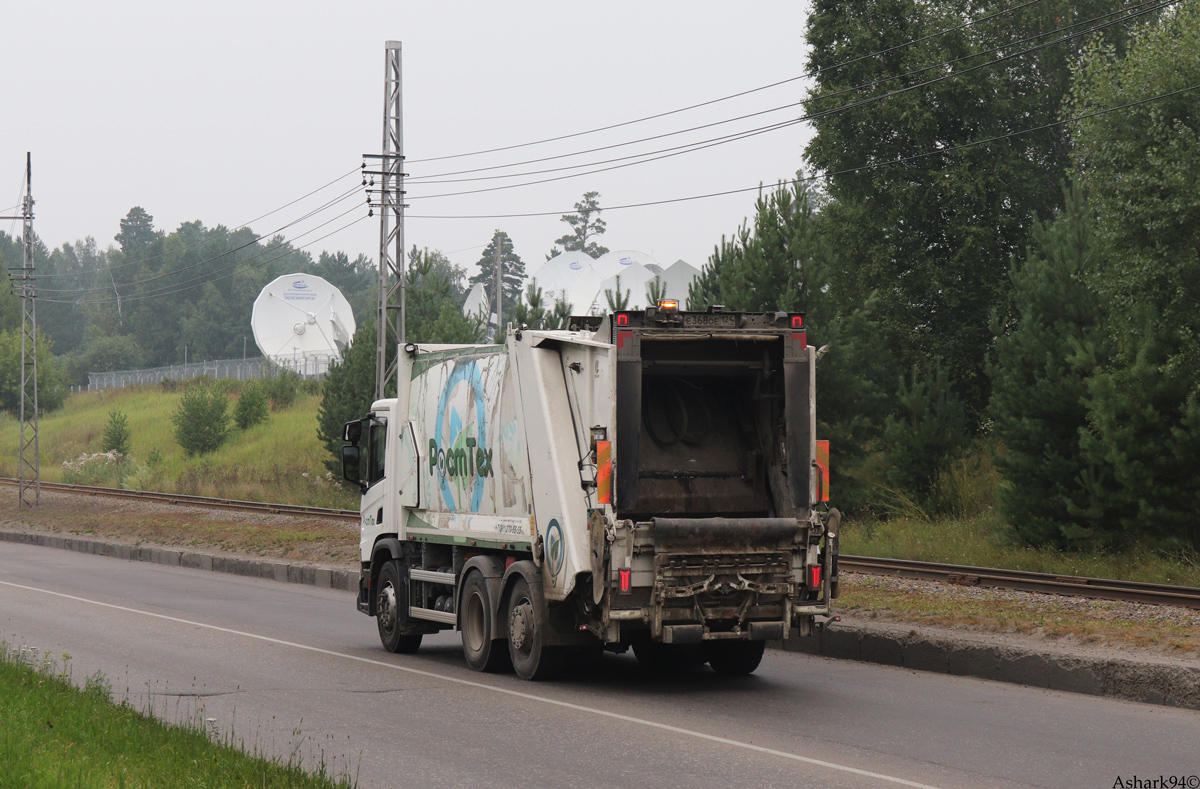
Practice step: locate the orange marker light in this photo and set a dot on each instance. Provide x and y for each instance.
(668, 304)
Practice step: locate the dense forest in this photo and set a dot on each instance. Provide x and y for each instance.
(1004, 265)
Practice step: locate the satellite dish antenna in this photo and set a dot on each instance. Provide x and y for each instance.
(302, 322)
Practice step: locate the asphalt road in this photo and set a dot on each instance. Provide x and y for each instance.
(296, 670)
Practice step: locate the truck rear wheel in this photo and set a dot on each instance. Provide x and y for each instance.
(734, 658)
(475, 623)
(527, 628)
(391, 606)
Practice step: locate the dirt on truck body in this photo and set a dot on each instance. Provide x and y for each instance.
(648, 479)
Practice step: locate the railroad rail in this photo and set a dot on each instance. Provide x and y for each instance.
(1024, 581)
(195, 501)
(1020, 580)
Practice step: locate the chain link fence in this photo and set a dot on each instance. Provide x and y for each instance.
(239, 369)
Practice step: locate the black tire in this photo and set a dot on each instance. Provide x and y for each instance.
(659, 658)
(527, 629)
(475, 624)
(734, 658)
(391, 610)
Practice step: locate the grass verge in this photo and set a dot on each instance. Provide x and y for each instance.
(280, 460)
(53, 734)
(986, 541)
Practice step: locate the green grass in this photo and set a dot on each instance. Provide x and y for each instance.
(962, 524)
(53, 734)
(985, 540)
(280, 460)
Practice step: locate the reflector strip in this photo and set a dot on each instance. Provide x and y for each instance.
(624, 337)
(823, 464)
(800, 337)
(604, 472)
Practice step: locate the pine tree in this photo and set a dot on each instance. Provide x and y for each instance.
(251, 408)
(202, 419)
(583, 228)
(117, 437)
(1044, 356)
(1139, 167)
(929, 433)
(656, 290)
(512, 272)
(532, 309)
(347, 393)
(560, 316)
(616, 298)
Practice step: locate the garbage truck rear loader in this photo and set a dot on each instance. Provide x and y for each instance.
(648, 479)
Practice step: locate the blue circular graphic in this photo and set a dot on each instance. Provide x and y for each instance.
(556, 550)
(464, 371)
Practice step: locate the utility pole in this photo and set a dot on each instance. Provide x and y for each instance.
(391, 223)
(29, 487)
(498, 288)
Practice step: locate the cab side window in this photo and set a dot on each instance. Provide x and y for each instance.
(378, 443)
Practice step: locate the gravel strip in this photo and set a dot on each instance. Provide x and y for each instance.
(1035, 602)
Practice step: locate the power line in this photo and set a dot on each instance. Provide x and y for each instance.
(701, 145)
(224, 232)
(870, 84)
(730, 96)
(875, 165)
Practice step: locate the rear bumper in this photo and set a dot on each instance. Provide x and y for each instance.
(717, 579)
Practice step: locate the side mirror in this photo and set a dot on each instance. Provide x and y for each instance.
(352, 432)
(351, 466)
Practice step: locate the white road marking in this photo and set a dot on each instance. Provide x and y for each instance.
(484, 686)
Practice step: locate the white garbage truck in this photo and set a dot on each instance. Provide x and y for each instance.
(647, 479)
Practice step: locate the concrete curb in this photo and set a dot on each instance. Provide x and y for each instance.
(1152, 682)
(1164, 683)
(275, 570)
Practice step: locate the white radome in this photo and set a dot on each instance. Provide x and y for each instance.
(302, 321)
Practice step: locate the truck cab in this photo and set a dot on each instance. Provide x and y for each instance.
(647, 479)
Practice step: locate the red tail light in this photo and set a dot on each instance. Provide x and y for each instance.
(622, 319)
(626, 579)
(797, 321)
(814, 576)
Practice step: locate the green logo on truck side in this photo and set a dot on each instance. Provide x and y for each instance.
(460, 462)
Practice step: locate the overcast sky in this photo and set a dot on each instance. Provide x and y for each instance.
(222, 111)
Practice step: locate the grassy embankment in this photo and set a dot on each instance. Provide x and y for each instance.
(973, 532)
(279, 460)
(55, 734)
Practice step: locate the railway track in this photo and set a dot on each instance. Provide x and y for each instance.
(194, 501)
(1047, 583)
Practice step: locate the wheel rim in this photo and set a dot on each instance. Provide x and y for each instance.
(520, 627)
(475, 622)
(387, 607)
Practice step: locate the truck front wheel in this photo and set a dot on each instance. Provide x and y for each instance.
(734, 658)
(475, 623)
(391, 606)
(527, 628)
